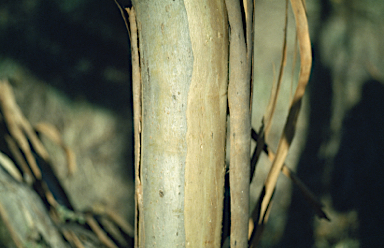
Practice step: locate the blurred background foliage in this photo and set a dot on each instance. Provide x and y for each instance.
(69, 64)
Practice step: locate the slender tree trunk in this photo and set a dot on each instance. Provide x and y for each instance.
(184, 75)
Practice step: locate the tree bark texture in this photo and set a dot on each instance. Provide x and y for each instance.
(240, 126)
(206, 118)
(184, 68)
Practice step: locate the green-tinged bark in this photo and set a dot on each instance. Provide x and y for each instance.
(166, 62)
(183, 59)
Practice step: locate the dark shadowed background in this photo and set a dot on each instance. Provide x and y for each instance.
(69, 65)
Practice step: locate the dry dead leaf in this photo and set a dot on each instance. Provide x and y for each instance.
(53, 134)
(290, 125)
(10, 167)
(19, 129)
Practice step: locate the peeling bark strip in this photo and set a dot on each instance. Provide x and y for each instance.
(137, 94)
(290, 125)
(240, 127)
(131, 26)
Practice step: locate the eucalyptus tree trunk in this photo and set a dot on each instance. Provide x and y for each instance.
(183, 48)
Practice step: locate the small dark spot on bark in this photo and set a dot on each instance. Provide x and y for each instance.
(161, 193)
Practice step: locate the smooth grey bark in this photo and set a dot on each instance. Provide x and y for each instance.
(184, 73)
(166, 62)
